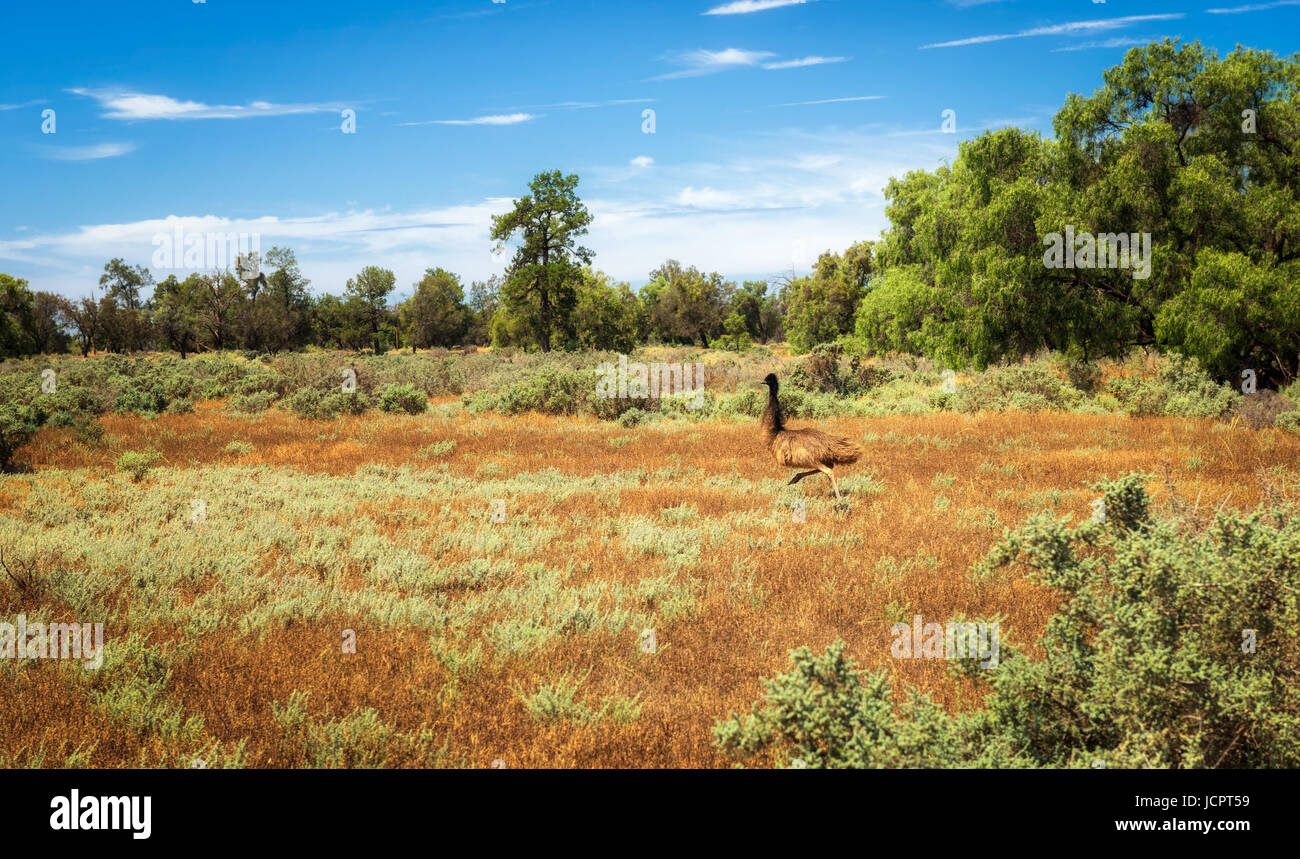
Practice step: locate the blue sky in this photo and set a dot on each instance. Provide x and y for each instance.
(776, 122)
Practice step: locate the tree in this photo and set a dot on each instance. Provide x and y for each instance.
(684, 304)
(436, 314)
(15, 317)
(540, 284)
(821, 307)
(607, 316)
(761, 313)
(48, 326)
(82, 317)
(1192, 159)
(176, 313)
(218, 297)
(371, 289)
(125, 282)
(484, 299)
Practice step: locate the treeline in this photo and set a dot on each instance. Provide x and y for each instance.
(1163, 214)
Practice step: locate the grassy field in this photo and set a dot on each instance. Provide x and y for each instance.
(231, 576)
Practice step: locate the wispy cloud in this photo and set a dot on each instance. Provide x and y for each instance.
(642, 161)
(1060, 29)
(708, 62)
(744, 7)
(496, 119)
(124, 104)
(589, 105)
(87, 153)
(1117, 42)
(24, 104)
(804, 61)
(1253, 7)
(830, 100)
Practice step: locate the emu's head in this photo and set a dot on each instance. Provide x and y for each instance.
(770, 381)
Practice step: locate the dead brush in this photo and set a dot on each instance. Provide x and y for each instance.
(26, 572)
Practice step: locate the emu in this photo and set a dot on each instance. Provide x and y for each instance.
(803, 448)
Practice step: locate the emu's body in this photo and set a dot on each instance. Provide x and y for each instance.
(809, 449)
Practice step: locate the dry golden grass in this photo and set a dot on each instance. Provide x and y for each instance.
(941, 489)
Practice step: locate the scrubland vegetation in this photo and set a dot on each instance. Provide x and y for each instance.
(342, 531)
(521, 640)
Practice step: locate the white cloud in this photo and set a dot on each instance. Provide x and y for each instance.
(642, 161)
(1253, 7)
(805, 61)
(704, 62)
(87, 153)
(740, 216)
(744, 7)
(498, 119)
(1117, 42)
(1059, 29)
(122, 104)
(707, 62)
(830, 100)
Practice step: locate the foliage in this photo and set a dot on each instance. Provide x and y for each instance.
(1171, 648)
(402, 398)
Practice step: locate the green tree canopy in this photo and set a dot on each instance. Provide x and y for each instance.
(540, 288)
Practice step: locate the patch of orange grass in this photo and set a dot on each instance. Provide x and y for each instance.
(710, 662)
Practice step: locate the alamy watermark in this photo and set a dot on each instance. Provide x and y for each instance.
(651, 381)
(53, 641)
(954, 640)
(1104, 250)
(208, 251)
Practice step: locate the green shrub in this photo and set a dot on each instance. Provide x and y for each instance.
(1028, 387)
(17, 425)
(88, 431)
(138, 463)
(1172, 648)
(1180, 388)
(251, 404)
(306, 403)
(403, 398)
(343, 404)
(1289, 421)
(180, 406)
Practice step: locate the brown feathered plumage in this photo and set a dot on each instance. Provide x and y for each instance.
(804, 448)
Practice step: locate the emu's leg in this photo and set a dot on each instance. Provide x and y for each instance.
(831, 474)
(800, 476)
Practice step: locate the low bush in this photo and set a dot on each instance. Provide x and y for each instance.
(1171, 648)
(403, 398)
(138, 463)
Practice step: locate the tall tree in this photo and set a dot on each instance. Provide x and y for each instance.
(371, 289)
(542, 278)
(436, 314)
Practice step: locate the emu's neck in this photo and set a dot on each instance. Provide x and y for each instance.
(772, 421)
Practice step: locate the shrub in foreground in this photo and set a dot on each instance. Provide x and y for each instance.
(1172, 648)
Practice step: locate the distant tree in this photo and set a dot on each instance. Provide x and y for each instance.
(218, 300)
(371, 289)
(176, 313)
(822, 306)
(48, 325)
(436, 314)
(607, 316)
(484, 299)
(541, 281)
(760, 312)
(684, 304)
(83, 318)
(15, 317)
(124, 282)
